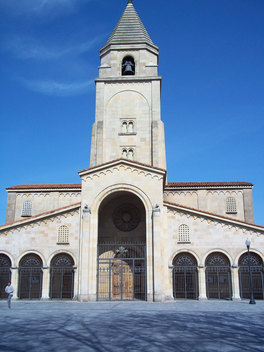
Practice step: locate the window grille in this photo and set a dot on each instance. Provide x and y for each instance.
(63, 234)
(231, 207)
(27, 208)
(184, 233)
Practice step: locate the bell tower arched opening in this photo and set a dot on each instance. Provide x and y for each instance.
(128, 66)
(121, 252)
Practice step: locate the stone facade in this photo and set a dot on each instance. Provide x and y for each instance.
(124, 232)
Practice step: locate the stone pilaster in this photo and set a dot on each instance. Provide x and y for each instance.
(202, 283)
(45, 283)
(235, 283)
(157, 263)
(14, 280)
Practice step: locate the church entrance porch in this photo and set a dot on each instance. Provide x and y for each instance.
(121, 250)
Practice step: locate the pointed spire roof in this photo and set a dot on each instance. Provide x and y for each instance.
(129, 29)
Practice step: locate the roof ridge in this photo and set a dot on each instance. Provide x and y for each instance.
(45, 186)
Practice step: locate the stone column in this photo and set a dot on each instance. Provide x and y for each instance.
(202, 282)
(14, 280)
(45, 282)
(156, 257)
(235, 283)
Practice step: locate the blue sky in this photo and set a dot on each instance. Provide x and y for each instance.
(211, 61)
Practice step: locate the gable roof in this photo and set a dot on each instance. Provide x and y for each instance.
(40, 216)
(214, 216)
(123, 161)
(129, 29)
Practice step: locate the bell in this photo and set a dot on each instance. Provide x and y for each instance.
(128, 67)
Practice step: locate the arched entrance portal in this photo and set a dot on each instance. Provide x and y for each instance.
(121, 248)
(218, 276)
(30, 277)
(5, 274)
(185, 281)
(62, 276)
(256, 266)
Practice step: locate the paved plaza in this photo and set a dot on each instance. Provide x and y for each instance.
(132, 326)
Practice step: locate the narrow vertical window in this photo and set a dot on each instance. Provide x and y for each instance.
(184, 233)
(27, 208)
(130, 128)
(231, 207)
(124, 127)
(130, 154)
(124, 153)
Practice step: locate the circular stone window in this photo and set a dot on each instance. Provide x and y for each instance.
(126, 217)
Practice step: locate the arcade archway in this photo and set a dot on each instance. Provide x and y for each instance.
(185, 276)
(121, 257)
(5, 274)
(62, 276)
(256, 266)
(30, 277)
(218, 276)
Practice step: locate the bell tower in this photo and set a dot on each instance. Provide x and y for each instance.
(127, 119)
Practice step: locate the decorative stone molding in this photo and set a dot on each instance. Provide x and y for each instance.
(216, 222)
(119, 168)
(224, 192)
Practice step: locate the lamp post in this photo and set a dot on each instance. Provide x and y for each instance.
(252, 301)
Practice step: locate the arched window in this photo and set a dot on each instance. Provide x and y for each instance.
(62, 276)
(27, 208)
(63, 234)
(128, 66)
(5, 274)
(124, 127)
(218, 276)
(130, 154)
(124, 153)
(256, 267)
(231, 207)
(30, 277)
(130, 128)
(184, 233)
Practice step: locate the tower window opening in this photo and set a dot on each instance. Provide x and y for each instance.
(231, 207)
(128, 66)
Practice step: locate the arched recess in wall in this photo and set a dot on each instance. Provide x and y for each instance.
(126, 105)
(121, 248)
(5, 273)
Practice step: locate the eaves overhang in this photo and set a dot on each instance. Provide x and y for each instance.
(69, 187)
(214, 216)
(207, 185)
(41, 216)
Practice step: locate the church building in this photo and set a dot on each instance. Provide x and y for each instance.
(124, 232)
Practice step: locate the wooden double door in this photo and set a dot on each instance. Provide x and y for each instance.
(121, 279)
